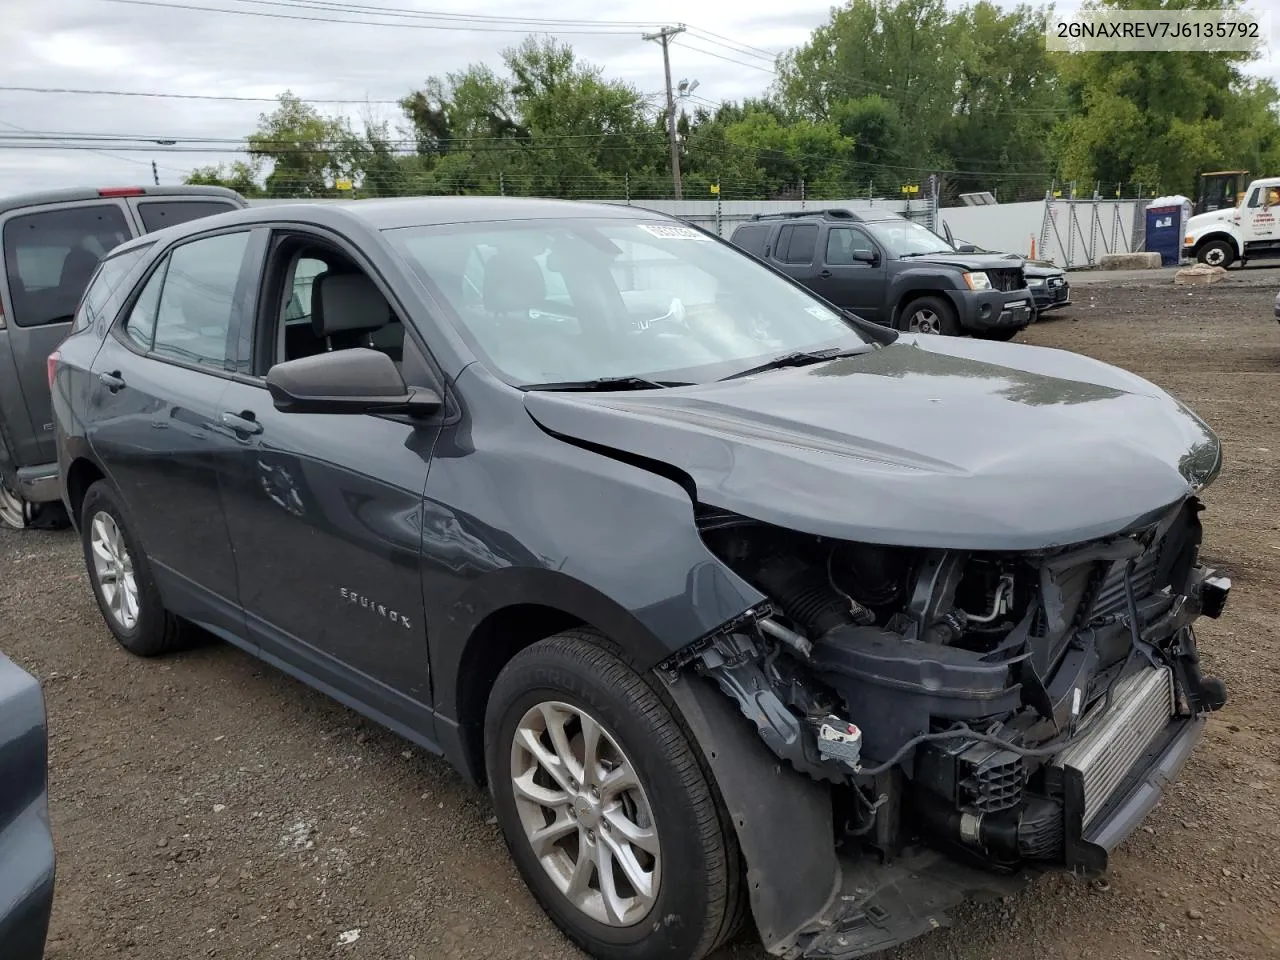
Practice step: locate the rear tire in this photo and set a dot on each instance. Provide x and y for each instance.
(122, 579)
(689, 898)
(1216, 253)
(929, 315)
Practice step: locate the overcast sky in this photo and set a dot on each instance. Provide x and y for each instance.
(138, 46)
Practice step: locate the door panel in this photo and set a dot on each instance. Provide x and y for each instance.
(154, 429)
(155, 422)
(325, 512)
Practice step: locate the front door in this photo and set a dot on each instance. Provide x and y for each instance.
(848, 281)
(158, 382)
(325, 510)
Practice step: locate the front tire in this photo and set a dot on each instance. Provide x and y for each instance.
(122, 579)
(930, 315)
(607, 806)
(13, 509)
(1216, 253)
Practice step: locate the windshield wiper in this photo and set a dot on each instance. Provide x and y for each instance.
(924, 253)
(801, 359)
(608, 383)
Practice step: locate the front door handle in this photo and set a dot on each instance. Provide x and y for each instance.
(112, 381)
(244, 424)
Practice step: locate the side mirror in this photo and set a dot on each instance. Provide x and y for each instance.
(359, 380)
(866, 256)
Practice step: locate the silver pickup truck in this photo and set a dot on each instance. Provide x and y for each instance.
(52, 242)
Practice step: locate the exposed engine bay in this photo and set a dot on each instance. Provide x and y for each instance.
(997, 706)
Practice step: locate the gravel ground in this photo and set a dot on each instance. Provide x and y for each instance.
(205, 805)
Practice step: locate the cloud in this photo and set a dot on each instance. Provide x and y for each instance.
(96, 44)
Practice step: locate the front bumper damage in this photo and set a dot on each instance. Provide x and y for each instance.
(964, 772)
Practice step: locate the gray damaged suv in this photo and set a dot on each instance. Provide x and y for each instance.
(52, 242)
(738, 605)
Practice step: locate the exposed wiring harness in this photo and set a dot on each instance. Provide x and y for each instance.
(962, 730)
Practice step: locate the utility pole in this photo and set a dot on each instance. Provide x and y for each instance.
(155, 174)
(664, 37)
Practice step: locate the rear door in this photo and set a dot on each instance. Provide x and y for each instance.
(153, 417)
(49, 255)
(794, 251)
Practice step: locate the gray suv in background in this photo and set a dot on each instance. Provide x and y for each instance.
(52, 243)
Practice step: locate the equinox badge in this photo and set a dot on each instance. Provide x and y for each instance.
(381, 609)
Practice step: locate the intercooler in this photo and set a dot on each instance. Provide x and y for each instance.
(1142, 705)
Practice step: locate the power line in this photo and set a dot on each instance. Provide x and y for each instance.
(723, 41)
(367, 23)
(176, 96)
(345, 6)
(689, 46)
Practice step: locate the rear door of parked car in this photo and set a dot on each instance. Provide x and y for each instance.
(153, 409)
(49, 254)
(794, 251)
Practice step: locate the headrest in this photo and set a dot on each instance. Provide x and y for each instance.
(346, 301)
(77, 267)
(513, 283)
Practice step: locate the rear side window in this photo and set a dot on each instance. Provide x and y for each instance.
(106, 291)
(49, 257)
(751, 239)
(158, 214)
(193, 319)
(804, 238)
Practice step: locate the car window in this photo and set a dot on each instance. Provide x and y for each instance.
(140, 326)
(158, 214)
(804, 239)
(903, 238)
(843, 242)
(1255, 198)
(106, 291)
(304, 276)
(752, 239)
(566, 300)
(50, 255)
(193, 318)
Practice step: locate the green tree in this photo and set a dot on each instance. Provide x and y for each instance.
(239, 175)
(308, 152)
(1161, 117)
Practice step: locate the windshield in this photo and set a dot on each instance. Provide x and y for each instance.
(902, 238)
(559, 301)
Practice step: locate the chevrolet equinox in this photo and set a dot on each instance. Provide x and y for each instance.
(739, 605)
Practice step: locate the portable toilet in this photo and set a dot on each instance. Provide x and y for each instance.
(1166, 218)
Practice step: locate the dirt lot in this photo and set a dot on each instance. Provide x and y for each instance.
(205, 805)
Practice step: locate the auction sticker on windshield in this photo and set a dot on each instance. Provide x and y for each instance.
(672, 232)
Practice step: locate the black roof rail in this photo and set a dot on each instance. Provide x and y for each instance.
(833, 213)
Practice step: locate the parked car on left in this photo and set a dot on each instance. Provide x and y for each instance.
(53, 242)
(26, 842)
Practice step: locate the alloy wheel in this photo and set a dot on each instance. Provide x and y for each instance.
(925, 321)
(13, 511)
(585, 814)
(113, 568)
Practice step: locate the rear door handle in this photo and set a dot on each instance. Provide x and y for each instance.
(825, 274)
(244, 424)
(112, 381)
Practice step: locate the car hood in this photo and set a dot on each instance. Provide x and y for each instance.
(969, 261)
(1201, 220)
(929, 441)
(1041, 268)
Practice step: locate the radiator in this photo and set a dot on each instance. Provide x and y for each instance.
(1141, 706)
